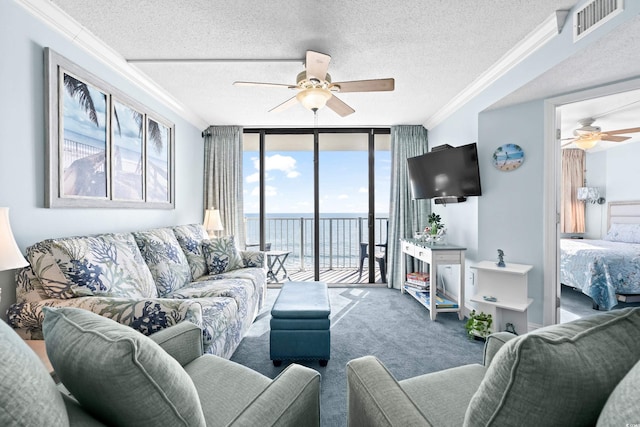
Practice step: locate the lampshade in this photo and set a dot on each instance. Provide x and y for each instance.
(10, 255)
(314, 98)
(212, 221)
(587, 142)
(589, 194)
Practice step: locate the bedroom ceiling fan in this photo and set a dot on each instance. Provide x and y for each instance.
(587, 136)
(315, 88)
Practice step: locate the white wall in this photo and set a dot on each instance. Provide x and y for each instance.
(595, 215)
(22, 145)
(615, 173)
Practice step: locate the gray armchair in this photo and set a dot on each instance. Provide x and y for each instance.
(112, 374)
(584, 372)
(376, 398)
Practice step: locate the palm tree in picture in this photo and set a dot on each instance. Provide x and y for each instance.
(80, 91)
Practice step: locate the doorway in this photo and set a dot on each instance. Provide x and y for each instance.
(554, 138)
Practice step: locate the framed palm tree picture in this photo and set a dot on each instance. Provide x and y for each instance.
(104, 148)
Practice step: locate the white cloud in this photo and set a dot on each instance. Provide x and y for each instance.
(363, 190)
(277, 162)
(254, 177)
(343, 196)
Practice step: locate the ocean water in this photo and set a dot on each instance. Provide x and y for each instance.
(340, 236)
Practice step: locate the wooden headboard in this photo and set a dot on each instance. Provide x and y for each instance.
(627, 212)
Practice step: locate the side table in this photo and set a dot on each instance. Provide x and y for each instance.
(275, 260)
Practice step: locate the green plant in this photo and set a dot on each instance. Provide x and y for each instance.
(434, 223)
(478, 325)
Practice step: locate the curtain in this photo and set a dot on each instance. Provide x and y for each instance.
(223, 178)
(405, 215)
(571, 209)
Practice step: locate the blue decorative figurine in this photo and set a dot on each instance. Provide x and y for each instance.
(500, 258)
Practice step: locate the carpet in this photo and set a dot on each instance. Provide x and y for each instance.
(379, 321)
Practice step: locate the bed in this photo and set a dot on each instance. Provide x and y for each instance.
(606, 270)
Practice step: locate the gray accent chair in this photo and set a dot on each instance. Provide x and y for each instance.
(585, 372)
(113, 375)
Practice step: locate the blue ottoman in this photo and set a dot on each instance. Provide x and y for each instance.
(300, 323)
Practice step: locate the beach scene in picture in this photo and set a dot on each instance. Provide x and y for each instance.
(508, 157)
(84, 147)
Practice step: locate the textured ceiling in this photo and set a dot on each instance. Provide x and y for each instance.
(613, 58)
(433, 49)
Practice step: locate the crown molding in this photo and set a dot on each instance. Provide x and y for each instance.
(550, 28)
(54, 17)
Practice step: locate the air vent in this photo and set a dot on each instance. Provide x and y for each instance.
(593, 15)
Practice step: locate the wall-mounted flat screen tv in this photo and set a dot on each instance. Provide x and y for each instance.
(448, 173)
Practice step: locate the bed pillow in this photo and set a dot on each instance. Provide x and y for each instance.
(628, 233)
(116, 373)
(558, 375)
(221, 255)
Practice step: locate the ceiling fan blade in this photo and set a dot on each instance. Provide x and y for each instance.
(286, 104)
(339, 106)
(568, 143)
(619, 131)
(263, 84)
(374, 85)
(614, 138)
(317, 65)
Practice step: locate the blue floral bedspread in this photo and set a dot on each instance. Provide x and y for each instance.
(601, 269)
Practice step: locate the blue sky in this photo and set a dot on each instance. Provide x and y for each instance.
(289, 181)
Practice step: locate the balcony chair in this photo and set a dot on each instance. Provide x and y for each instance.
(381, 259)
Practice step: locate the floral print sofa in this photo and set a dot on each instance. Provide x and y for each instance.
(148, 280)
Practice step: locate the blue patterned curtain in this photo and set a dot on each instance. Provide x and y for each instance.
(405, 215)
(223, 178)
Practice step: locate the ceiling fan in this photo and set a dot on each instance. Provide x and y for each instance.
(315, 88)
(587, 136)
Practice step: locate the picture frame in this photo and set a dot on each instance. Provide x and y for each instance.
(104, 149)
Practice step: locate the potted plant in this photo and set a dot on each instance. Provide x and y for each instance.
(435, 229)
(478, 325)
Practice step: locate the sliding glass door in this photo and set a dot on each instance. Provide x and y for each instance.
(315, 199)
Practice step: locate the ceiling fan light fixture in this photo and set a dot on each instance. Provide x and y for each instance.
(314, 98)
(587, 142)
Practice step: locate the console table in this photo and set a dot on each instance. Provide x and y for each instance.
(435, 254)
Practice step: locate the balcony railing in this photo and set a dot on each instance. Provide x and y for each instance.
(340, 239)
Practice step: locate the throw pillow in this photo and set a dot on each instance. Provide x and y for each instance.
(105, 265)
(117, 374)
(190, 238)
(221, 255)
(622, 406)
(558, 375)
(28, 394)
(163, 254)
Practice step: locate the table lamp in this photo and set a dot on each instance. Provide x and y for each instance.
(10, 255)
(212, 222)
